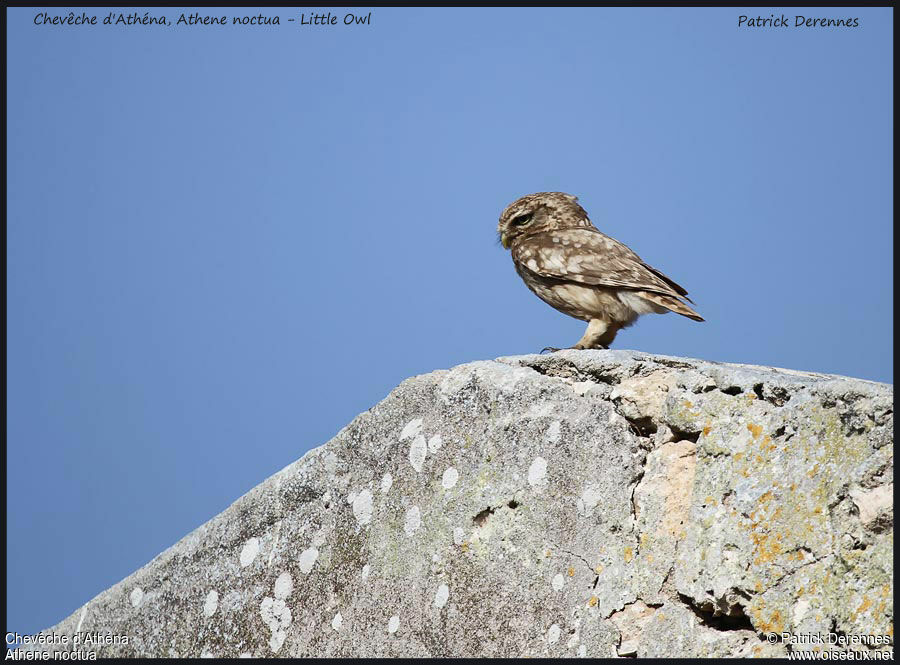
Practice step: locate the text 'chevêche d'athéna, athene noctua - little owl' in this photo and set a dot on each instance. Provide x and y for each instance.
(574, 268)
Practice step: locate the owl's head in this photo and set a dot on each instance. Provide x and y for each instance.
(535, 213)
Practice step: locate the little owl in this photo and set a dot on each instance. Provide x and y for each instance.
(574, 268)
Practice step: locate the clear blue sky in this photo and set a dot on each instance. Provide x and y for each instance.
(225, 243)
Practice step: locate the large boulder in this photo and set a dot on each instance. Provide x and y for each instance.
(583, 503)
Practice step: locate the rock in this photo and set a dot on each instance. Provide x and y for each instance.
(583, 503)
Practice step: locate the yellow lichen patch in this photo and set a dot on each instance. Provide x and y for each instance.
(571, 571)
(755, 430)
(707, 430)
(598, 569)
(771, 624)
(592, 601)
(863, 606)
(751, 396)
(768, 546)
(758, 586)
(813, 471)
(629, 553)
(464, 547)
(548, 553)
(650, 558)
(688, 404)
(738, 457)
(644, 540)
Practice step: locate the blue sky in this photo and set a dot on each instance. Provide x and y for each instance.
(226, 242)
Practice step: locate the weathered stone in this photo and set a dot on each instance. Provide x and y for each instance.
(583, 503)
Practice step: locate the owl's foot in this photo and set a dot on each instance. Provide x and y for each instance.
(577, 347)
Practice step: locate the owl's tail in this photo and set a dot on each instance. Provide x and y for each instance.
(671, 303)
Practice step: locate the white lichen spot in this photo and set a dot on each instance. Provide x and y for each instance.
(435, 443)
(553, 432)
(284, 585)
(137, 596)
(417, 452)
(553, 634)
(337, 621)
(558, 582)
(351, 497)
(365, 572)
(589, 498)
(386, 483)
(363, 507)
(248, 554)
(582, 651)
(277, 617)
(211, 604)
(801, 607)
(459, 534)
(448, 480)
(393, 624)
(440, 598)
(308, 559)
(413, 520)
(246, 654)
(537, 472)
(412, 429)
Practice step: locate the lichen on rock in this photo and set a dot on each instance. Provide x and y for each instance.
(583, 503)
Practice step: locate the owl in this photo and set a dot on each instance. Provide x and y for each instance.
(574, 268)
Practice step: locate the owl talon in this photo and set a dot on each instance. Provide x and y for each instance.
(551, 349)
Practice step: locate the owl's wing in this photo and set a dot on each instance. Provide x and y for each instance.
(587, 256)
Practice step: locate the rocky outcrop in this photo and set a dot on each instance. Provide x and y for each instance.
(583, 503)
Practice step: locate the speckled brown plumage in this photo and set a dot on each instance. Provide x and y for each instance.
(582, 272)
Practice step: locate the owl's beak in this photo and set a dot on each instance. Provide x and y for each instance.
(504, 240)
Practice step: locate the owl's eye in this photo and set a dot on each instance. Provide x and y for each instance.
(522, 220)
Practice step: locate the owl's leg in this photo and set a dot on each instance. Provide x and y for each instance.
(607, 339)
(599, 335)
